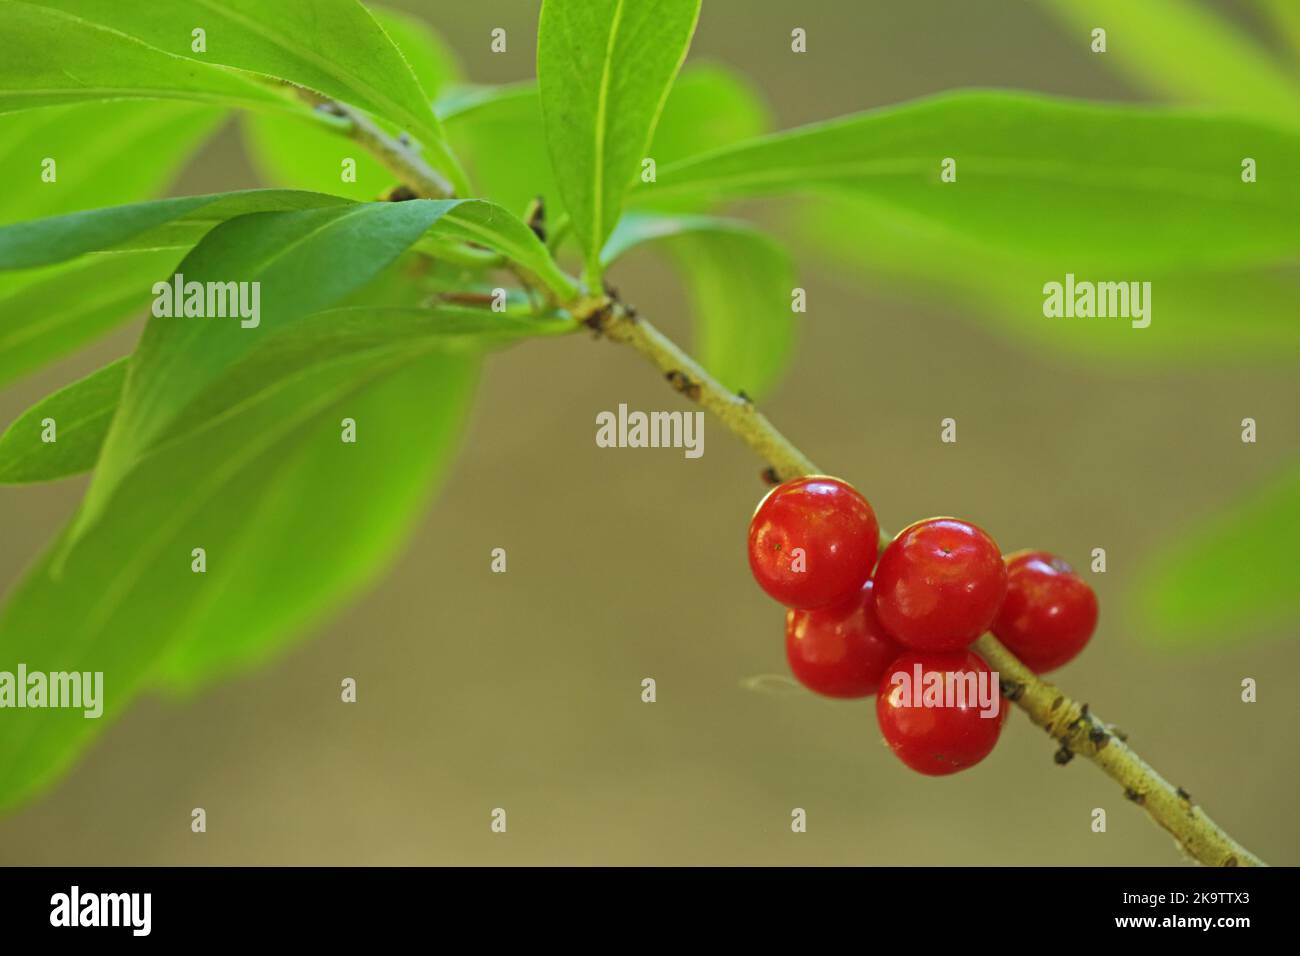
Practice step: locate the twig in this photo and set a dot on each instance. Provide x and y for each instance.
(1070, 724)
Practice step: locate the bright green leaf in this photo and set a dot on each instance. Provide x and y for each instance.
(1232, 577)
(51, 59)
(433, 62)
(303, 153)
(739, 282)
(1187, 52)
(1041, 176)
(282, 546)
(332, 46)
(905, 254)
(105, 153)
(604, 69)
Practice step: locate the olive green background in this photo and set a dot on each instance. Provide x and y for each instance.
(522, 690)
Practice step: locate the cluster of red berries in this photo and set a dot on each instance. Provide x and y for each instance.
(938, 585)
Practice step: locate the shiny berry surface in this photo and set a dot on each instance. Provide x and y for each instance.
(938, 740)
(939, 584)
(1049, 612)
(813, 542)
(839, 651)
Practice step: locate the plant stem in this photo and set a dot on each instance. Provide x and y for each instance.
(1069, 723)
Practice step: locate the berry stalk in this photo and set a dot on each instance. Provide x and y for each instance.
(1069, 723)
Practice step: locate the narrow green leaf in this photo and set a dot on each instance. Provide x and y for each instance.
(105, 153)
(739, 282)
(84, 410)
(1187, 52)
(303, 153)
(51, 59)
(159, 223)
(332, 46)
(48, 313)
(604, 69)
(488, 224)
(80, 413)
(303, 262)
(903, 254)
(499, 131)
(709, 107)
(431, 59)
(283, 546)
(1041, 176)
(1233, 577)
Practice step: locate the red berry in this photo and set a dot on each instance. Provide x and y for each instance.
(1049, 612)
(812, 542)
(839, 651)
(957, 733)
(939, 584)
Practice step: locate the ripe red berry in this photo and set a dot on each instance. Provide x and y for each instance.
(839, 651)
(812, 542)
(957, 733)
(1049, 612)
(939, 584)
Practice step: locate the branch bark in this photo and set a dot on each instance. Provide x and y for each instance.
(1071, 724)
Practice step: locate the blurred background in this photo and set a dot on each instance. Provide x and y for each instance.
(522, 690)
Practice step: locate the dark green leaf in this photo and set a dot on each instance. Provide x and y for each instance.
(48, 313)
(80, 412)
(160, 223)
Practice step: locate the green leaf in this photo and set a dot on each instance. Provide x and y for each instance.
(84, 410)
(433, 62)
(48, 313)
(157, 224)
(1187, 52)
(332, 46)
(105, 153)
(1041, 176)
(499, 131)
(303, 153)
(283, 547)
(604, 69)
(902, 254)
(303, 262)
(709, 107)
(1232, 577)
(81, 413)
(52, 59)
(489, 225)
(739, 282)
